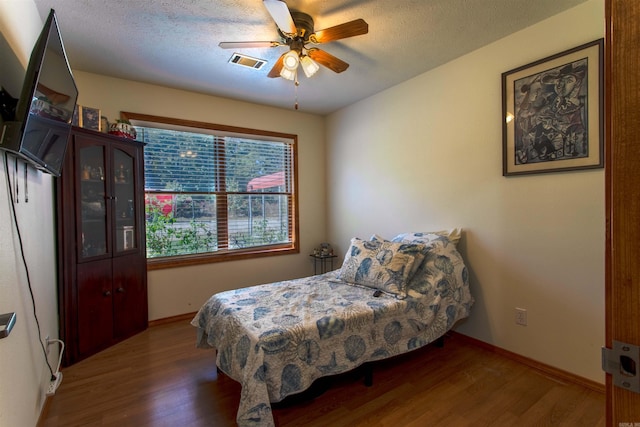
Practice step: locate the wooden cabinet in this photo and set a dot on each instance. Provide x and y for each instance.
(102, 279)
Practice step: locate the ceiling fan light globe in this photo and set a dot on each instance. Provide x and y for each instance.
(290, 60)
(288, 74)
(309, 66)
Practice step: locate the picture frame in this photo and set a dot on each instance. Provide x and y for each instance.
(553, 113)
(89, 118)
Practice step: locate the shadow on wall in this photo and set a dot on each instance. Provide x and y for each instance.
(11, 71)
(479, 317)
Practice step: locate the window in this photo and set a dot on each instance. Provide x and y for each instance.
(215, 192)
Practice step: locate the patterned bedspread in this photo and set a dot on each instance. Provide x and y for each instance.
(276, 339)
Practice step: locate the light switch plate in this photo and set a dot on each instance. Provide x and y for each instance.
(7, 321)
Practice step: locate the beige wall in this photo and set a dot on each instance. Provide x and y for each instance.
(183, 290)
(427, 154)
(24, 373)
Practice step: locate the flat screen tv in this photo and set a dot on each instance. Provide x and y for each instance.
(39, 132)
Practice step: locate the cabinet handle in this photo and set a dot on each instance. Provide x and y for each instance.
(120, 289)
(106, 293)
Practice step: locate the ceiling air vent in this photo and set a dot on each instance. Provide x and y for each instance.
(247, 61)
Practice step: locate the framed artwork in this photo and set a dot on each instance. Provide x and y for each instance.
(553, 113)
(89, 118)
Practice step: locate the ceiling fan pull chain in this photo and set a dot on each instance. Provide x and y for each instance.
(296, 84)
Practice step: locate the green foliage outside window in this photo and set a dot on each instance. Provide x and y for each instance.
(261, 234)
(168, 237)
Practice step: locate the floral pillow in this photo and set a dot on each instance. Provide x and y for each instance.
(382, 265)
(443, 270)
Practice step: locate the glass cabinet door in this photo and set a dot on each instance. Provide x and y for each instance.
(125, 207)
(93, 210)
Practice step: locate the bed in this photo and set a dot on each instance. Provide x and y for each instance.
(388, 298)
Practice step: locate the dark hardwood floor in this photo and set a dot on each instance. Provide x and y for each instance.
(158, 378)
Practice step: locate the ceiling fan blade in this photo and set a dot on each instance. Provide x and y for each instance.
(277, 67)
(342, 31)
(281, 15)
(241, 45)
(321, 57)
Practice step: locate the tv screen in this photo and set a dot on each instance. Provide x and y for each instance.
(44, 112)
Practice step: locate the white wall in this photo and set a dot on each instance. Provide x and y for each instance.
(183, 290)
(24, 371)
(427, 154)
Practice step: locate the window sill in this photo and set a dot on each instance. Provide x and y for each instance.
(222, 256)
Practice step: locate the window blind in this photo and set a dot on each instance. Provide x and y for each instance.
(209, 192)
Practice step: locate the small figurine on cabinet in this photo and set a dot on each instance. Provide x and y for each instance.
(123, 128)
(104, 124)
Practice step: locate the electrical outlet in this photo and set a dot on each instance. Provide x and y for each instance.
(521, 316)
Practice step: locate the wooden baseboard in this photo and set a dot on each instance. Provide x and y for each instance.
(548, 370)
(178, 318)
(556, 373)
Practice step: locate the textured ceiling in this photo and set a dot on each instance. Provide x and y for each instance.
(174, 43)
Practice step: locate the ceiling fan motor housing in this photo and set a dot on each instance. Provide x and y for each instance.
(304, 25)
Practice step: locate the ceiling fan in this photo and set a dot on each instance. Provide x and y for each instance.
(296, 31)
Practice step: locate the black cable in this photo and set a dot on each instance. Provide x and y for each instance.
(24, 261)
